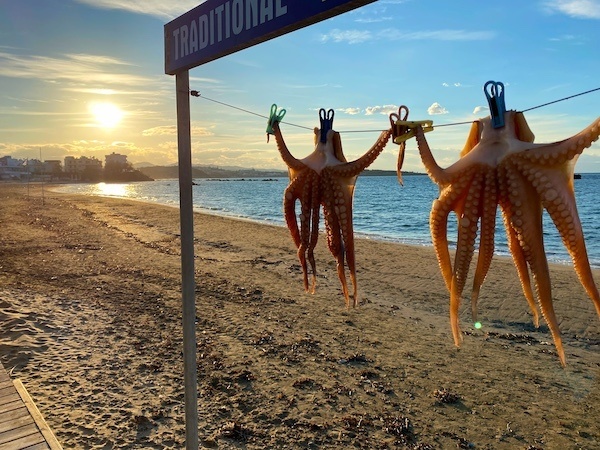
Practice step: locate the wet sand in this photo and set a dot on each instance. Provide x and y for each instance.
(90, 321)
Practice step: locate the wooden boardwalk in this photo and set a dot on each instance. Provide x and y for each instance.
(22, 427)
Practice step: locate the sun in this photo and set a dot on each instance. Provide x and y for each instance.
(107, 115)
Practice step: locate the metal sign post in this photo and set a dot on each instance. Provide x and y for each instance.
(188, 285)
(211, 30)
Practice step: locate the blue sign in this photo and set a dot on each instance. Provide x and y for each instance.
(220, 27)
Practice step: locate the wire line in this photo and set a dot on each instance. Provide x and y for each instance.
(562, 99)
(197, 94)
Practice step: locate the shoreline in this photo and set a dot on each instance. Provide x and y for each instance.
(562, 259)
(90, 320)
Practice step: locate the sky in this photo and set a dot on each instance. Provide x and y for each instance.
(86, 78)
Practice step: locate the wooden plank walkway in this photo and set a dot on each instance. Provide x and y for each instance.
(22, 426)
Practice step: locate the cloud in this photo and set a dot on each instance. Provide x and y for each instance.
(171, 130)
(394, 34)
(93, 69)
(96, 59)
(564, 37)
(375, 19)
(479, 109)
(351, 111)
(157, 8)
(452, 85)
(385, 109)
(18, 112)
(436, 109)
(104, 91)
(349, 36)
(437, 35)
(579, 9)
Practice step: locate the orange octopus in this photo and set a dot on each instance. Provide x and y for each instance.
(324, 178)
(500, 165)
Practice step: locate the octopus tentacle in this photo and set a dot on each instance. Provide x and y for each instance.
(315, 205)
(435, 172)
(305, 234)
(344, 212)
(289, 209)
(438, 219)
(564, 151)
(561, 205)
(400, 161)
(468, 218)
(513, 243)
(293, 163)
(521, 265)
(338, 214)
(335, 241)
(304, 187)
(526, 220)
(354, 168)
(486, 239)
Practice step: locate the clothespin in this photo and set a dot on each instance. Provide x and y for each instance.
(495, 98)
(326, 123)
(274, 117)
(399, 130)
(403, 129)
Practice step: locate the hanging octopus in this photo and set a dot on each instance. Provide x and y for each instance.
(500, 165)
(324, 178)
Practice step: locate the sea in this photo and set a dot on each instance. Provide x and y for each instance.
(384, 210)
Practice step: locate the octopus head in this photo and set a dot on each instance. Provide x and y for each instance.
(332, 147)
(482, 131)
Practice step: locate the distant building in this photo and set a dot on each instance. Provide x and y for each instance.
(52, 167)
(12, 169)
(9, 161)
(116, 159)
(82, 167)
(35, 166)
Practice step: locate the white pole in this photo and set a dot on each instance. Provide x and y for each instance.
(186, 212)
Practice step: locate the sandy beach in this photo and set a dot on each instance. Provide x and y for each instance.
(90, 321)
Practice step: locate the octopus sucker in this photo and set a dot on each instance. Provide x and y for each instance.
(500, 165)
(324, 179)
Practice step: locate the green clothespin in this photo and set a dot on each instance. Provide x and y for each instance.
(274, 117)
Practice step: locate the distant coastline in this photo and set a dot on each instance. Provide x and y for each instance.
(170, 172)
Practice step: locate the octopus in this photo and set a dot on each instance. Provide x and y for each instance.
(324, 178)
(500, 165)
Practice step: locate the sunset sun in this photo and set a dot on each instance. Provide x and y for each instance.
(106, 115)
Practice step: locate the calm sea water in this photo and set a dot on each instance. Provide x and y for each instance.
(383, 210)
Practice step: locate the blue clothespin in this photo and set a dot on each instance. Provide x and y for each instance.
(326, 123)
(274, 117)
(495, 98)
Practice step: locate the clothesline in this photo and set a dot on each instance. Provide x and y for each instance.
(195, 93)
